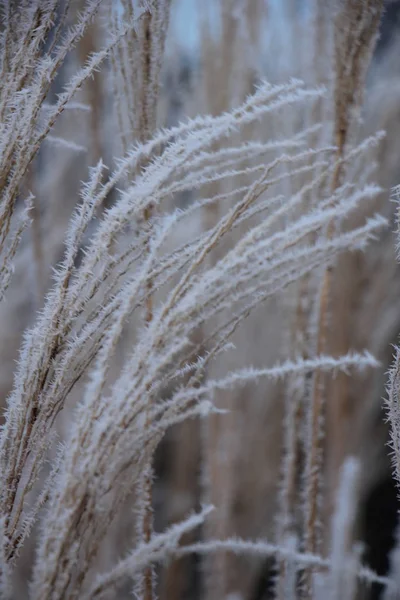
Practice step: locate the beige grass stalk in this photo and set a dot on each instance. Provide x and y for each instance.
(356, 29)
(36, 234)
(144, 129)
(293, 459)
(94, 94)
(142, 76)
(227, 77)
(218, 68)
(136, 74)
